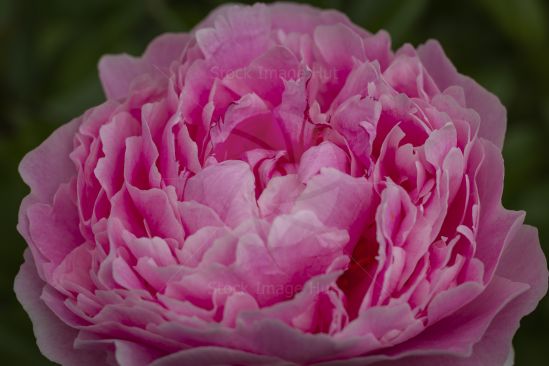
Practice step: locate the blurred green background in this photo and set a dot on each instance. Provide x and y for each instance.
(48, 56)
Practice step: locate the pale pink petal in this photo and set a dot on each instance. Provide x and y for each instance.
(325, 155)
(117, 72)
(338, 200)
(338, 45)
(265, 75)
(280, 195)
(238, 36)
(195, 216)
(236, 201)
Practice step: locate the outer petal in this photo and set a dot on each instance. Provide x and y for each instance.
(121, 352)
(288, 16)
(522, 262)
(338, 45)
(491, 111)
(217, 356)
(54, 338)
(304, 18)
(497, 225)
(46, 167)
(166, 48)
(239, 34)
(118, 71)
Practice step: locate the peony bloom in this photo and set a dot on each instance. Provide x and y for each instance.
(277, 187)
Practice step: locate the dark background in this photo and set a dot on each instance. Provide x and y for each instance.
(48, 56)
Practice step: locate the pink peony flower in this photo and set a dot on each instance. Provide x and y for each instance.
(277, 187)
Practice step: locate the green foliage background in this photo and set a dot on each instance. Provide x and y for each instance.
(48, 56)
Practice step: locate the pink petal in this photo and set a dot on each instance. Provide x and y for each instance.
(491, 111)
(165, 49)
(236, 201)
(301, 245)
(214, 356)
(356, 119)
(158, 212)
(280, 195)
(325, 155)
(496, 224)
(239, 35)
(113, 138)
(439, 143)
(378, 47)
(54, 229)
(49, 165)
(338, 45)
(338, 200)
(303, 18)
(54, 338)
(117, 72)
(196, 216)
(265, 75)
